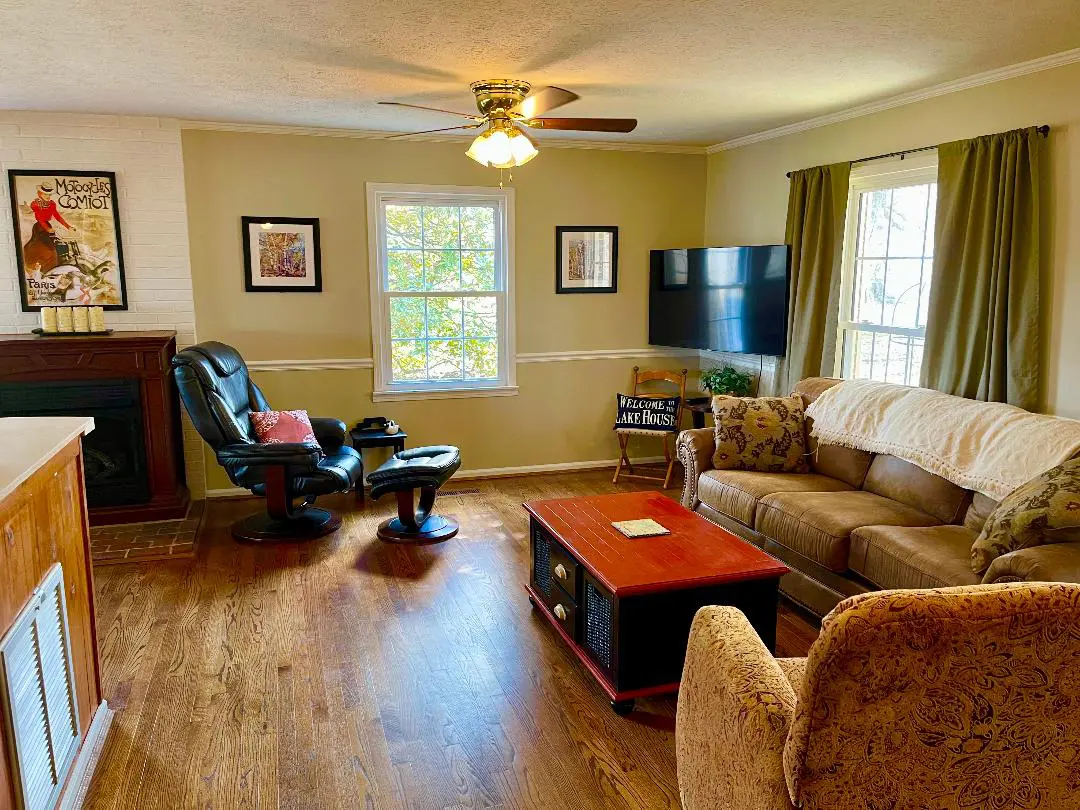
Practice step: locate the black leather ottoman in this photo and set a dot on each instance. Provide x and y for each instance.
(423, 468)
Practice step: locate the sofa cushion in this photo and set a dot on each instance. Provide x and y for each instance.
(830, 459)
(844, 463)
(1044, 510)
(982, 506)
(765, 434)
(913, 557)
(736, 492)
(810, 388)
(900, 480)
(818, 525)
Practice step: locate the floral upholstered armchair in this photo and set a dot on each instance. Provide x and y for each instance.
(964, 697)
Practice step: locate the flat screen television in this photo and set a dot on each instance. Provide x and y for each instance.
(729, 299)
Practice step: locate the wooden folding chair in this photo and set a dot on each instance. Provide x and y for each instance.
(676, 378)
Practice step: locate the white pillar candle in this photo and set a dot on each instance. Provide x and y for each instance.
(48, 319)
(80, 318)
(63, 319)
(97, 319)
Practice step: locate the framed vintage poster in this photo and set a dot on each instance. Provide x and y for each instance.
(586, 258)
(67, 239)
(281, 254)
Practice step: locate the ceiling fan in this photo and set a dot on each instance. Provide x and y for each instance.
(505, 106)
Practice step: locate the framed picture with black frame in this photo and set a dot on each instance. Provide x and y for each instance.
(68, 247)
(282, 254)
(586, 259)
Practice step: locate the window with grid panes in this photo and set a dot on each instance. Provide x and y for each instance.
(441, 287)
(887, 268)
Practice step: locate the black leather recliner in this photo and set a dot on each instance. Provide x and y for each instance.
(219, 396)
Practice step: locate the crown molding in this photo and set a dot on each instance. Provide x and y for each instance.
(330, 132)
(944, 89)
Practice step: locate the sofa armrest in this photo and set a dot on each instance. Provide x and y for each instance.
(329, 431)
(694, 449)
(735, 709)
(1055, 562)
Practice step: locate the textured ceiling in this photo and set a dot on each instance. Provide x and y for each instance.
(691, 71)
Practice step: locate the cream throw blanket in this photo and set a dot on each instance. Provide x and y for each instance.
(989, 447)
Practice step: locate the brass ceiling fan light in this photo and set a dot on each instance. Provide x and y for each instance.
(505, 106)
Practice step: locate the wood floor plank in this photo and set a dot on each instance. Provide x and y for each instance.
(351, 673)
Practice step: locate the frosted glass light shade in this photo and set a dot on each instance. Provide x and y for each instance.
(502, 148)
(522, 148)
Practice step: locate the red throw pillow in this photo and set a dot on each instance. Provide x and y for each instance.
(281, 427)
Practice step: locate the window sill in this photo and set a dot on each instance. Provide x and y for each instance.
(444, 393)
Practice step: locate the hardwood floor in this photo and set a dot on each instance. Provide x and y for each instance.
(353, 673)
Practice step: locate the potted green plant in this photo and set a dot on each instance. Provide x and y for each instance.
(727, 380)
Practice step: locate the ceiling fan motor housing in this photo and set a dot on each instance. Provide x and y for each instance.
(495, 96)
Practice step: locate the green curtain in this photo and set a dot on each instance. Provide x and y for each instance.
(982, 328)
(817, 202)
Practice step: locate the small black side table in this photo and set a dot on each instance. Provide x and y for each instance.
(698, 407)
(361, 439)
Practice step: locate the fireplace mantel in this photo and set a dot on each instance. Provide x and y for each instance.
(52, 376)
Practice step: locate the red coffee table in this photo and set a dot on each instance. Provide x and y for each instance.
(624, 606)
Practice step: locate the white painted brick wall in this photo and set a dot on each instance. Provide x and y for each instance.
(146, 155)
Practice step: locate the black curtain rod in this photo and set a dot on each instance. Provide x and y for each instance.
(1043, 130)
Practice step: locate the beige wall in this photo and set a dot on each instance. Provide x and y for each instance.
(564, 410)
(747, 189)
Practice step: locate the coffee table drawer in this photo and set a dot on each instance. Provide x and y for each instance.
(564, 569)
(564, 610)
(552, 564)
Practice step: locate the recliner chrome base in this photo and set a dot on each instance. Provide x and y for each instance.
(306, 524)
(434, 529)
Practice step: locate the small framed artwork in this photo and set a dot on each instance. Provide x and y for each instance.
(281, 254)
(586, 259)
(67, 239)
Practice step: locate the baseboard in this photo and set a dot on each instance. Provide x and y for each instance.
(489, 472)
(229, 492)
(540, 469)
(82, 771)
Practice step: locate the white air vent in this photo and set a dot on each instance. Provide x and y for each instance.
(38, 693)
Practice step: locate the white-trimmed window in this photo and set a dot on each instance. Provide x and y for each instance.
(441, 290)
(887, 267)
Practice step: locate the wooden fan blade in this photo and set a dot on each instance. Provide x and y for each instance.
(542, 100)
(429, 109)
(428, 131)
(585, 124)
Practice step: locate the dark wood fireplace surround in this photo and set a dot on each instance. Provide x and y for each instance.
(42, 375)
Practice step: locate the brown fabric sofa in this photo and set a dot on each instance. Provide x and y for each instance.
(947, 698)
(857, 521)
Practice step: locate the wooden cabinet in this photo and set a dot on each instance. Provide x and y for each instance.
(43, 521)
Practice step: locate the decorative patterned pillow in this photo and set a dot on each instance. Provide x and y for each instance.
(766, 434)
(1044, 510)
(282, 427)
